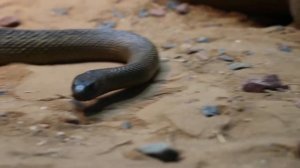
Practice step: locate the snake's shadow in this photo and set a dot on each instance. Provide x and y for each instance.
(116, 97)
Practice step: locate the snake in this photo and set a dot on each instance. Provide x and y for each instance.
(62, 46)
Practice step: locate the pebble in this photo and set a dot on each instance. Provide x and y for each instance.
(108, 25)
(202, 40)
(43, 108)
(161, 151)
(248, 52)
(210, 111)
(157, 12)
(2, 92)
(226, 58)
(35, 129)
(285, 48)
(182, 9)
(168, 46)
(239, 65)
(268, 82)
(61, 11)
(126, 125)
(60, 134)
(193, 50)
(172, 4)
(41, 143)
(143, 13)
(203, 55)
(3, 114)
(10, 21)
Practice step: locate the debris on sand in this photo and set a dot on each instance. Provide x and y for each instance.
(202, 40)
(10, 21)
(158, 12)
(210, 111)
(168, 46)
(61, 11)
(226, 58)
(108, 25)
(143, 13)
(268, 82)
(161, 151)
(182, 9)
(285, 48)
(239, 65)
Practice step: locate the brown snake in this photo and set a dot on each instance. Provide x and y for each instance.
(75, 45)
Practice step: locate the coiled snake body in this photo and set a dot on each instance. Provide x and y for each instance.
(70, 46)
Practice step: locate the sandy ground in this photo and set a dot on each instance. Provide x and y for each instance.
(253, 130)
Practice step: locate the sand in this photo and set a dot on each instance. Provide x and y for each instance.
(253, 130)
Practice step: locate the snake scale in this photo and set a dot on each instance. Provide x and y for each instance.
(139, 55)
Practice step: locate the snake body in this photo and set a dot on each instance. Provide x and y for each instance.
(139, 55)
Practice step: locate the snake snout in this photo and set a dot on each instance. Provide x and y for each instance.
(87, 86)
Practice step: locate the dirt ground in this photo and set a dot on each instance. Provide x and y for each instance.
(253, 129)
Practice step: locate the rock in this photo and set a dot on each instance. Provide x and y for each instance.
(108, 25)
(193, 50)
(60, 134)
(285, 48)
(157, 12)
(61, 11)
(239, 65)
(126, 125)
(3, 114)
(161, 151)
(2, 92)
(248, 52)
(172, 4)
(202, 40)
(168, 46)
(226, 58)
(10, 21)
(182, 9)
(210, 111)
(143, 13)
(268, 82)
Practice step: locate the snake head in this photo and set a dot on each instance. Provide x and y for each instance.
(86, 86)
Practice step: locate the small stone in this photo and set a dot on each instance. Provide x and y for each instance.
(226, 58)
(184, 48)
(157, 12)
(193, 50)
(203, 55)
(202, 40)
(172, 4)
(126, 125)
(161, 151)
(3, 114)
(239, 65)
(108, 25)
(61, 11)
(168, 46)
(221, 51)
(41, 143)
(285, 48)
(35, 129)
(60, 134)
(210, 111)
(143, 13)
(10, 21)
(44, 108)
(248, 52)
(268, 82)
(182, 9)
(2, 92)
